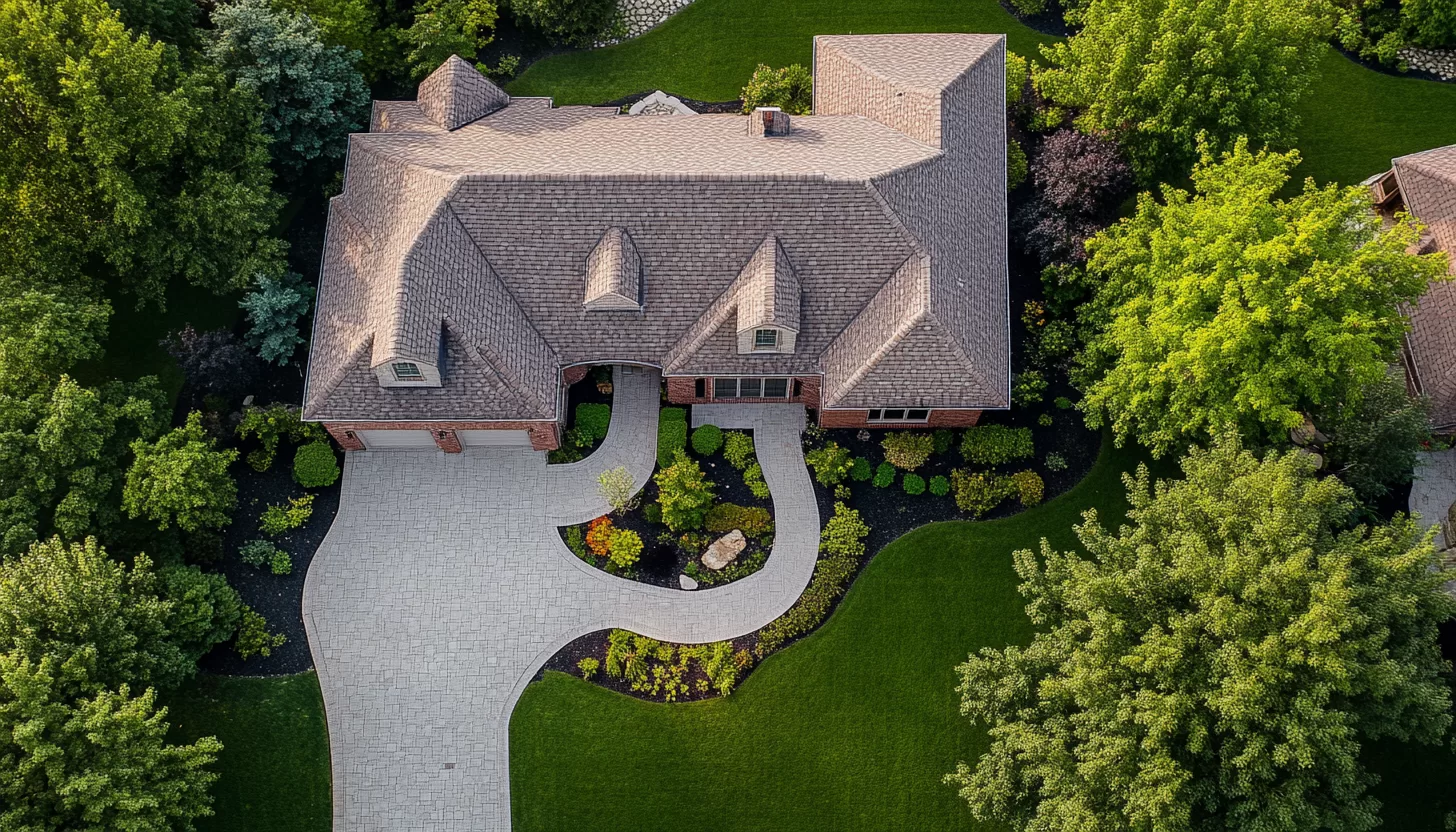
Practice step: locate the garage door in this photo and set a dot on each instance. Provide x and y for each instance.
(396, 440)
(512, 438)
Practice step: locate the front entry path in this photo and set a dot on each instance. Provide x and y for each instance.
(443, 586)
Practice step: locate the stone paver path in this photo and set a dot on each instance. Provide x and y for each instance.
(1434, 488)
(443, 585)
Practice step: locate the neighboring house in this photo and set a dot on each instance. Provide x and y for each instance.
(485, 250)
(1426, 184)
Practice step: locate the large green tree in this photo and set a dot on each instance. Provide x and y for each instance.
(1230, 306)
(118, 161)
(312, 93)
(181, 478)
(1214, 665)
(97, 762)
(1157, 73)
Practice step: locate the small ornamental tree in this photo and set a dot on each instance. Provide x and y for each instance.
(1160, 73)
(1078, 182)
(1216, 663)
(181, 479)
(684, 494)
(618, 488)
(213, 362)
(274, 308)
(1230, 306)
(790, 88)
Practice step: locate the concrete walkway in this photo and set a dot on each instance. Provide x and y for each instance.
(443, 585)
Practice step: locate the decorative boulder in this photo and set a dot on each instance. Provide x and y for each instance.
(724, 550)
(687, 582)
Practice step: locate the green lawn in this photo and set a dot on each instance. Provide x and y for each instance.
(275, 758)
(1355, 120)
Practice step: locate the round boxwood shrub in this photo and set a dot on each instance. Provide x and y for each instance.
(884, 475)
(314, 465)
(707, 440)
(914, 484)
(860, 469)
(939, 486)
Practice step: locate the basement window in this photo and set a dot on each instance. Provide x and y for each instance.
(750, 388)
(895, 414)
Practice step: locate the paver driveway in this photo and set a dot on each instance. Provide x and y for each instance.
(443, 585)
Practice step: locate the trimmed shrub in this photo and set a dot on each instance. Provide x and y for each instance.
(842, 545)
(977, 493)
(913, 484)
(831, 464)
(1062, 403)
(625, 548)
(253, 638)
(753, 478)
(684, 494)
(738, 449)
(884, 475)
(995, 444)
(593, 419)
(588, 667)
(672, 434)
(315, 466)
(860, 469)
(1029, 487)
(939, 486)
(753, 521)
(943, 439)
(707, 440)
(576, 541)
(281, 563)
(257, 553)
(1056, 462)
(907, 450)
(278, 519)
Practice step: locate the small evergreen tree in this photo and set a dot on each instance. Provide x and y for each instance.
(274, 307)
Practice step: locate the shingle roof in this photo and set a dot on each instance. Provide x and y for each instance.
(613, 273)
(485, 241)
(456, 94)
(1428, 186)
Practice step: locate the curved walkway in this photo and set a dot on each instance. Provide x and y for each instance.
(443, 585)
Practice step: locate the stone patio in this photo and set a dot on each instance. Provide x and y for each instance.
(444, 585)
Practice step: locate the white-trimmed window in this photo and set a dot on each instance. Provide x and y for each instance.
(750, 388)
(765, 339)
(899, 414)
(407, 371)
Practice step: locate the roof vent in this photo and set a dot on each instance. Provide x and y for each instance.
(768, 121)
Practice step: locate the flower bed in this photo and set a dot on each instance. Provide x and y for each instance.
(589, 403)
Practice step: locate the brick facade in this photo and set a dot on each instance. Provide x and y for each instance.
(544, 435)
(683, 390)
(939, 418)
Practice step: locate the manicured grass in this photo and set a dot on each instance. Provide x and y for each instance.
(1354, 121)
(854, 727)
(275, 758)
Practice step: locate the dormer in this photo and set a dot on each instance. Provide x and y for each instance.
(413, 362)
(768, 302)
(613, 274)
(456, 94)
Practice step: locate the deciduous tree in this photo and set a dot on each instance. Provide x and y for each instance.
(1216, 664)
(181, 479)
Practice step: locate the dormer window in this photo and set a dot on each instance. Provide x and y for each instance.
(407, 371)
(765, 339)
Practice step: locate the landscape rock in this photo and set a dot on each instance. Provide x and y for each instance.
(1439, 62)
(724, 550)
(686, 582)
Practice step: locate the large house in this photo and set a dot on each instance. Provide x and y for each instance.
(1426, 184)
(487, 249)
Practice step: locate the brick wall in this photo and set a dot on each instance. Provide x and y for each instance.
(939, 418)
(544, 435)
(682, 390)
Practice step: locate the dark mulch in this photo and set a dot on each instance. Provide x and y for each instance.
(277, 597)
(595, 645)
(735, 106)
(1047, 22)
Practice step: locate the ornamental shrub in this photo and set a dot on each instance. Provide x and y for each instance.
(1045, 420)
(707, 440)
(753, 521)
(939, 486)
(1062, 403)
(270, 425)
(831, 464)
(913, 484)
(588, 667)
(995, 444)
(1056, 462)
(738, 449)
(1028, 387)
(684, 494)
(841, 545)
(652, 513)
(943, 439)
(315, 466)
(860, 470)
(253, 638)
(576, 541)
(625, 548)
(884, 475)
(1016, 165)
(594, 418)
(672, 434)
(618, 488)
(753, 478)
(281, 563)
(213, 362)
(599, 536)
(907, 449)
(789, 88)
(257, 553)
(278, 519)
(1028, 486)
(976, 492)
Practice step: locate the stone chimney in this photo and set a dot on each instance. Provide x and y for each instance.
(768, 121)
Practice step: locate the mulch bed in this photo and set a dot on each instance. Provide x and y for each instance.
(277, 597)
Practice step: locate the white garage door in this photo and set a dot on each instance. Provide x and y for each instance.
(396, 440)
(513, 438)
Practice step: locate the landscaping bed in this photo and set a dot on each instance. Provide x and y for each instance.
(589, 414)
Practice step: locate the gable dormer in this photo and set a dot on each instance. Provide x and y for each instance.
(456, 94)
(613, 274)
(768, 302)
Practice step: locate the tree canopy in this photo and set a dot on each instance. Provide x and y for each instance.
(1215, 664)
(1158, 73)
(1230, 306)
(181, 478)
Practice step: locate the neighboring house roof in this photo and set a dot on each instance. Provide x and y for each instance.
(504, 238)
(1428, 187)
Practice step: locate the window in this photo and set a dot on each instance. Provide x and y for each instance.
(895, 414)
(750, 388)
(775, 388)
(725, 388)
(765, 339)
(407, 371)
(700, 388)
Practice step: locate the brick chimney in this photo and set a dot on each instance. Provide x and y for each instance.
(768, 121)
